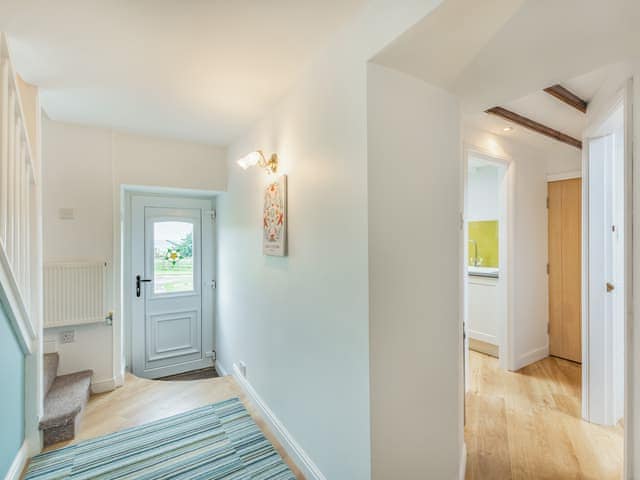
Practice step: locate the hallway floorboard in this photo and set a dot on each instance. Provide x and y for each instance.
(141, 401)
(527, 425)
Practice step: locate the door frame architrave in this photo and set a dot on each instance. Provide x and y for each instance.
(624, 97)
(123, 276)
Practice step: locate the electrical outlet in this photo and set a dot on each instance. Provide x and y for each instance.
(243, 368)
(68, 336)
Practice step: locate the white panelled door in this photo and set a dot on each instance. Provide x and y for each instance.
(172, 267)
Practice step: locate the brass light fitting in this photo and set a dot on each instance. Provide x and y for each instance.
(258, 158)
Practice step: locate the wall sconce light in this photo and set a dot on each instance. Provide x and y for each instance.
(258, 158)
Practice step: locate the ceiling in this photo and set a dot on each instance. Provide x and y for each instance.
(439, 47)
(204, 70)
(545, 109)
(491, 52)
(505, 52)
(201, 70)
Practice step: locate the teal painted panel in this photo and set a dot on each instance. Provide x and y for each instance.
(12, 398)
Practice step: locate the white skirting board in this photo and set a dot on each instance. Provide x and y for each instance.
(119, 379)
(49, 345)
(103, 386)
(483, 337)
(220, 369)
(20, 460)
(462, 469)
(295, 451)
(532, 357)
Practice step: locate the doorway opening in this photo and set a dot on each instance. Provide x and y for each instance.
(567, 302)
(486, 240)
(168, 283)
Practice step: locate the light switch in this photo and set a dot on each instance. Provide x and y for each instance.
(66, 214)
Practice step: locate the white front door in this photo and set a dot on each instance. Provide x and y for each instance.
(172, 270)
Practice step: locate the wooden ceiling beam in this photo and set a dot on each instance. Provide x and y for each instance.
(535, 126)
(567, 97)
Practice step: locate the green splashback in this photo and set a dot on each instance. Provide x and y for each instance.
(486, 234)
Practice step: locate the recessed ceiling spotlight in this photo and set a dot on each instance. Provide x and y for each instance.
(507, 129)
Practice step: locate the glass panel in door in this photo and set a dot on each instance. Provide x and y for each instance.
(172, 257)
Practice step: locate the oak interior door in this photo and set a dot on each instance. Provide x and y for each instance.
(173, 275)
(565, 269)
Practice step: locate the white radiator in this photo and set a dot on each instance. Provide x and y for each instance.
(74, 293)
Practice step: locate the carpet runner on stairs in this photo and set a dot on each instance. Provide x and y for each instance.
(65, 399)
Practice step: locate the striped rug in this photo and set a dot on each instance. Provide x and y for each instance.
(219, 441)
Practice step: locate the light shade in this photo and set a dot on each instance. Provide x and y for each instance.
(251, 159)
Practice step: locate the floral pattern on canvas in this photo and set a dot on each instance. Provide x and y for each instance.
(274, 218)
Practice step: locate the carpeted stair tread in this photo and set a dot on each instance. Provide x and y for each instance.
(50, 370)
(66, 398)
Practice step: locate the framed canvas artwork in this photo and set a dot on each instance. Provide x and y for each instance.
(274, 218)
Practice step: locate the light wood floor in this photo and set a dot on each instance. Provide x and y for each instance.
(527, 425)
(140, 401)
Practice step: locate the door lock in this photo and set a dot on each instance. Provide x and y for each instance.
(610, 287)
(139, 280)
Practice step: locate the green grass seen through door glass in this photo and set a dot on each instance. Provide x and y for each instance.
(173, 278)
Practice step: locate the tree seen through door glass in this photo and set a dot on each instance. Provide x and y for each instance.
(172, 257)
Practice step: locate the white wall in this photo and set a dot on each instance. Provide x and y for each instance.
(414, 277)
(483, 193)
(528, 301)
(301, 323)
(77, 174)
(563, 160)
(156, 162)
(83, 169)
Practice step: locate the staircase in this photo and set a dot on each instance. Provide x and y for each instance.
(65, 399)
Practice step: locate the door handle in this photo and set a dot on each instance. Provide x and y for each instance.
(610, 287)
(139, 280)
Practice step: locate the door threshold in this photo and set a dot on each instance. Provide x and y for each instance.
(200, 374)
